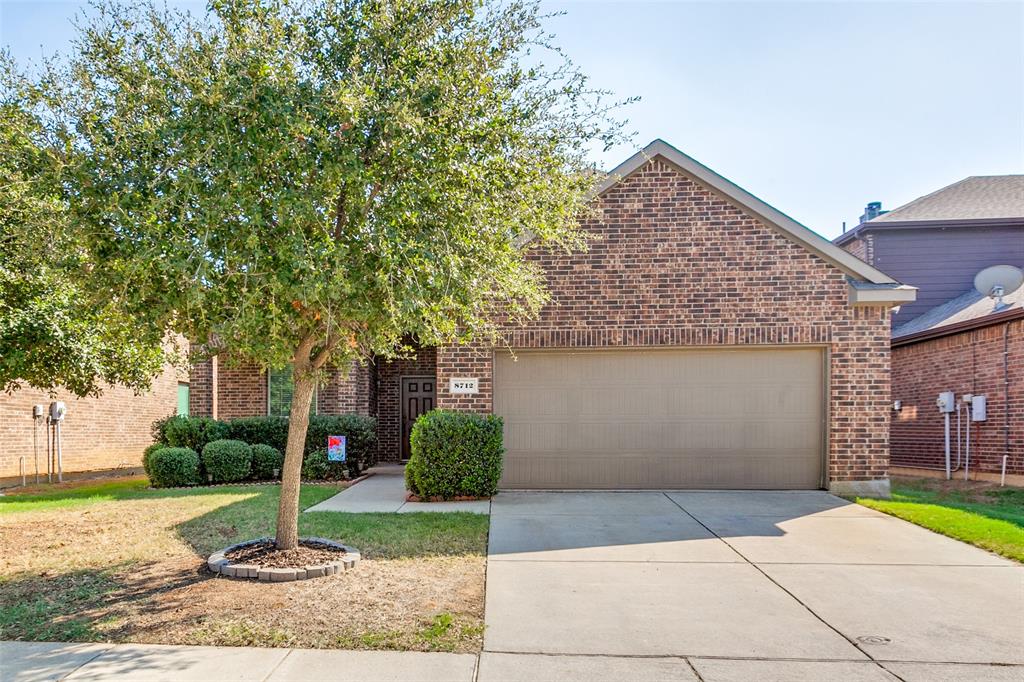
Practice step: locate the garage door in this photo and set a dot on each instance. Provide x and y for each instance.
(661, 418)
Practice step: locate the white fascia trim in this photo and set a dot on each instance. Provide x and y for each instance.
(889, 296)
(790, 228)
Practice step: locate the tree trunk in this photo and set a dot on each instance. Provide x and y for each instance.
(298, 423)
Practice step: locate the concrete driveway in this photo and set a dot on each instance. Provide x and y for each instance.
(739, 586)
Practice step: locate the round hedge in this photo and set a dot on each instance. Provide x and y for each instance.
(264, 460)
(455, 454)
(227, 461)
(147, 454)
(172, 467)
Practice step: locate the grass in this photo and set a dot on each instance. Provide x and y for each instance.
(977, 513)
(118, 561)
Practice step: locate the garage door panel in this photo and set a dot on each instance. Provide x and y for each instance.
(661, 419)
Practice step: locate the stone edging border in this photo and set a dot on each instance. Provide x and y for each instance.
(218, 563)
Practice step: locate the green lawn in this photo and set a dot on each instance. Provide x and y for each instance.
(118, 561)
(981, 514)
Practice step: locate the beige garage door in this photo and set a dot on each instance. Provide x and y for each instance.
(661, 418)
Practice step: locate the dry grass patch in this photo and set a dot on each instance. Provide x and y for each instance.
(119, 562)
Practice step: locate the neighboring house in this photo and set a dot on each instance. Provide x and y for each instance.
(705, 340)
(938, 242)
(953, 338)
(103, 433)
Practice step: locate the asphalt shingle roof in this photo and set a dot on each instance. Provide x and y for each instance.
(968, 306)
(978, 197)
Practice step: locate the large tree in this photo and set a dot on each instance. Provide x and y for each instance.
(310, 183)
(51, 335)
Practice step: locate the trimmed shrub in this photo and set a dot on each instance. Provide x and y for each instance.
(272, 431)
(264, 460)
(227, 460)
(193, 432)
(316, 467)
(455, 454)
(360, 439)
(171, 467)
(147, 455)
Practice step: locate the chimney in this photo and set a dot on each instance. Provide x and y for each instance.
(872, 210)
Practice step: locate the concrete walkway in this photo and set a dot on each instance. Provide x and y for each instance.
(739, 586)
(384, 491)
(38, 661)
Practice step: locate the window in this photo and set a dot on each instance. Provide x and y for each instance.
(183, 390)
(280, 390)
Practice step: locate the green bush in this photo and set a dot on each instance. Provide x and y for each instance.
(316, 467)
(147, 455)
(227, 461)
(360, 439)
(264, 460)
(196, 432)
(455, 454)
(173, 467)
(192, 432)
(272, 431)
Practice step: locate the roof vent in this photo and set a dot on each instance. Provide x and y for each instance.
(872, 210)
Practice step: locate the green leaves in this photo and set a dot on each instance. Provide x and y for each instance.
(382, 163)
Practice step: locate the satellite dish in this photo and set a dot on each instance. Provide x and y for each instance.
(997, 281)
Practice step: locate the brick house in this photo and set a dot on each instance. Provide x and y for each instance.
(705, 340)
(101, 433)
(954, 338)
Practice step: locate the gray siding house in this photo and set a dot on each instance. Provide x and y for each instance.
(939, 242)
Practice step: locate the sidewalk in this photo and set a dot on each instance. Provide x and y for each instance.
(384, 491)
(39, 661)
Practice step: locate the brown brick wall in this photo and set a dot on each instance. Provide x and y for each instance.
(859, 248)
(674, 264)
(108, 432)
(241, 391)
(351, 392)
(389, 420)
(968, 362)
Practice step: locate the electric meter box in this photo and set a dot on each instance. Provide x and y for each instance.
(57, 411)
(38, 411)
(978, 408)
(946, 401)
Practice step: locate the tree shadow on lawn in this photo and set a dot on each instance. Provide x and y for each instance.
(173, 599)
(375, 535)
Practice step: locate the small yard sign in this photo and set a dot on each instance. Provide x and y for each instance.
(335, 448)
(464, 385)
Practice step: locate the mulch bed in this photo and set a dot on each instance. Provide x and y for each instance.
(266, 555)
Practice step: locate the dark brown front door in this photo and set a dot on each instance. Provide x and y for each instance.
(417, 398)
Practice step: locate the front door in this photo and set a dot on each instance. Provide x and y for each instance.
(417, 398)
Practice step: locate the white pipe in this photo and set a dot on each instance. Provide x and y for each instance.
(49, 451)
(948, 474)
(21, 468)
(967, 451)
(60, 457)
(1002, 477)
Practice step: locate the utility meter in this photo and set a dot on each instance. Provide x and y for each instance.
(978, 408)
(38, 411)
(946, 401)
(57, 411)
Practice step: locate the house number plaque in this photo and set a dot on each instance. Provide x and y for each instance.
(464, 385)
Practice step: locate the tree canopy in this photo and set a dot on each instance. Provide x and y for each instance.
(314, 182)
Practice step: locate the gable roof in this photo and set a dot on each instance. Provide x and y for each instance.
(979, 197)
(814, 242)
(967, 311)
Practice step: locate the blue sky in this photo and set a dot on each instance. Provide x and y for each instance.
(816, 107)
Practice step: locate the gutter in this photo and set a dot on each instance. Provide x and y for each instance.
(956, 327)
